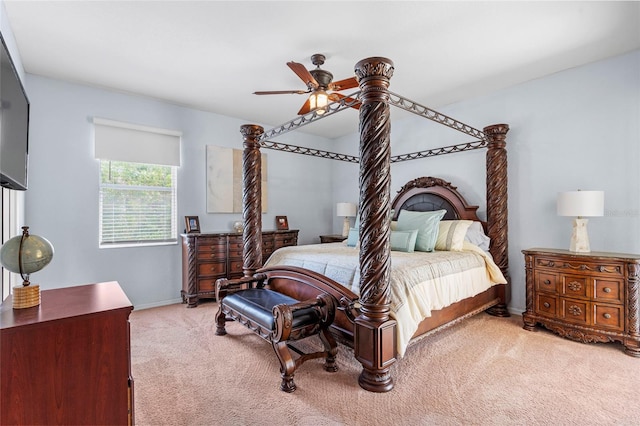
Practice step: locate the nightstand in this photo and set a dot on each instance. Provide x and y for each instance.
(332, 238)
(587, 297)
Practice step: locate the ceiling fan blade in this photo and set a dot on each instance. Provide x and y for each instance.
(335, 97)
(282, 92)
(305, 108)
(304, 74)
(347, 83)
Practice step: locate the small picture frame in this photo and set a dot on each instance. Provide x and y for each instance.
(282, 224)
(192, 223)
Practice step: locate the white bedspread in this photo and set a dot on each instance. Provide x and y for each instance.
(420, 282)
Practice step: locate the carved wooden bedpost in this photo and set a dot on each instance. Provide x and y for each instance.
(375, 332)
(497, 226)
(251, 199)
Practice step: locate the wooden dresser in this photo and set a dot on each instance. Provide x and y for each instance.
(68, 360)
(588, 297)
(207, 257)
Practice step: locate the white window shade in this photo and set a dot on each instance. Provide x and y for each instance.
(117, 141)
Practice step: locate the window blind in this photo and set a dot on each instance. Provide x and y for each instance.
(136, 214)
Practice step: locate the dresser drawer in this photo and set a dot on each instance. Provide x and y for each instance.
(211, 255)
(267, 244)
(236, 244)
(608, 290)
(610, 316)
(547, 282)
(546, 305)
(284, 240)
(212, 268)
(235, 266)
(576, 311)
(575, 286)
(207, 285)
(235, 250)
(211, 243)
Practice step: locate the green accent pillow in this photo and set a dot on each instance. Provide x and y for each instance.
(354, 237)
(404, 240)
(427, 224)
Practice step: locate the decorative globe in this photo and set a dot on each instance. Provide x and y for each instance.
(37, 252)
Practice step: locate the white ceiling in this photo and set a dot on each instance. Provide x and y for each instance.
(211, 55)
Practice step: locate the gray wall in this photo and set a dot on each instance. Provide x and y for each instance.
(62, 200)
(577, 129)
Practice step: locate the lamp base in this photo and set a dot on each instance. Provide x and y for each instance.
(345, 227)
(26, 297)
(580, 237)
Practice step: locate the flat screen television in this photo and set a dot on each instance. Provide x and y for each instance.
(14, 125)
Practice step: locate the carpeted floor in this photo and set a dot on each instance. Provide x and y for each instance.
(484, 371)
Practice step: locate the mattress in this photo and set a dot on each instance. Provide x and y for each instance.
(420, 282)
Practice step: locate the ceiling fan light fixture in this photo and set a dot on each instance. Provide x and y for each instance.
(319, 100)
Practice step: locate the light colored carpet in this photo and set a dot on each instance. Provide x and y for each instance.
(483, 371)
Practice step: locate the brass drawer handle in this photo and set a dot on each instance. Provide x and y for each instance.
(606, 290)
(546, 304)
(547, 282)
(607, 316)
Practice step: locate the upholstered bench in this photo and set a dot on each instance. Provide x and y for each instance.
(278, 319)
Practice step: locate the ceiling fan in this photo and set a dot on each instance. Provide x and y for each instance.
(319, 83)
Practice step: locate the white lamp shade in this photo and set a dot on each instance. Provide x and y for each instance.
(345, 209)
(581, 203)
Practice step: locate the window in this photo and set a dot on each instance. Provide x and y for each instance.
(137, 203)
(138, 181)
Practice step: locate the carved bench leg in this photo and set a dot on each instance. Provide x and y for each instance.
(331, 348)
(287, 366)
(220, 322)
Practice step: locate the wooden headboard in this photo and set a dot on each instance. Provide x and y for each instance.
(430, 193)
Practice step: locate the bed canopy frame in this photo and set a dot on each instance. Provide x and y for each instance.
(374, 329)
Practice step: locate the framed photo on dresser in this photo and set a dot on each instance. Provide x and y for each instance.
(192, 224)
(282, 224)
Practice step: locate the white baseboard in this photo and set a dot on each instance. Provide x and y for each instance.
(157, 304)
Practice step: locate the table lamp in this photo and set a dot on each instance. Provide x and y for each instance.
(346, 210)
(25, 254)
(580, 204)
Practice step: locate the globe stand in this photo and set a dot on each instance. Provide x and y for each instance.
(26, 296)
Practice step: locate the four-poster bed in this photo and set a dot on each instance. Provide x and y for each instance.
(364, 321)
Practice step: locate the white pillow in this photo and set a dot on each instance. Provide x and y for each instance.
(475, 235)
(451, 234)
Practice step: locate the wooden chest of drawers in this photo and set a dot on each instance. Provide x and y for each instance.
(207, 257)
(68, 360)
(588, 297)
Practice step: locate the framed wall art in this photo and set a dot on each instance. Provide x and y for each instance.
(224, 180)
